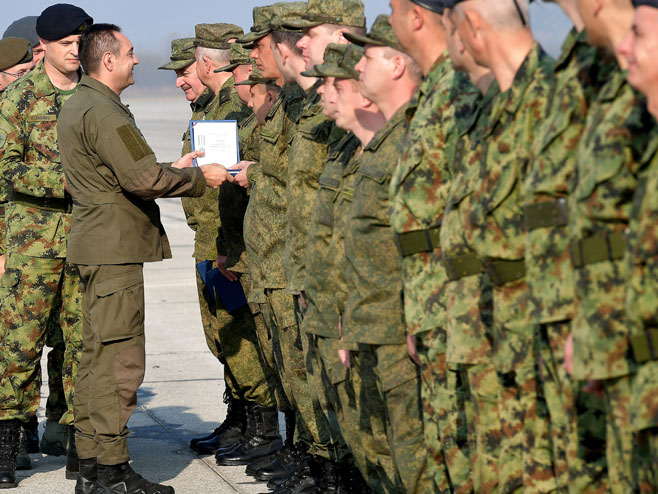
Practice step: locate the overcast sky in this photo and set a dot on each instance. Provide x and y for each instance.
(152, 24)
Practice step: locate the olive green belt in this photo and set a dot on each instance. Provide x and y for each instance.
(502, 271)
(645, 345)
(46, 203)
(419, 241)
(597, 248)
(461, 266)
(545, 214)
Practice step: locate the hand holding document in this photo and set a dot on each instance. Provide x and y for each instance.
(218, 140)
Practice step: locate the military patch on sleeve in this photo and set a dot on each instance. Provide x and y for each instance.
(134, 142)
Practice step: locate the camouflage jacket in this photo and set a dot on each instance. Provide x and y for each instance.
(420, 184)
(233, 201)
(494, 226)
(468, 299)
(265, 221)
(373, 267)
(207, 241)
(31, 165)
(608, 161)
(642, 291)
(325, 256)
(307, 158)
(549, 271)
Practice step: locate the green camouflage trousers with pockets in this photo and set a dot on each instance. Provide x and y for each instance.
(36, 288)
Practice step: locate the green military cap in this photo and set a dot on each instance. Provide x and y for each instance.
(381, 34)
(332, 55)
(256, 77)
(285, 13)
(216, 35)
(14, 51)
(182, 54)
(340, 12)
(344, 69)
(261, 27)
(239, 56)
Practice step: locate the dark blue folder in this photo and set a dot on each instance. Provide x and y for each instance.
(230, 292)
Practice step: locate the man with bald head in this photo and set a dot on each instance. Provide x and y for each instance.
(498, 36)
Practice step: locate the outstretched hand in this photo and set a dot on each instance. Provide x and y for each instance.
(187, 160)
(215, 175)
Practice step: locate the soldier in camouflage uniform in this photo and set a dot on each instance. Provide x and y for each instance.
(642, 289)
(419, 189)
(494, 229)
(265, 226)
(373, 316)
(468, 325)
(609, 160)
(578, 75)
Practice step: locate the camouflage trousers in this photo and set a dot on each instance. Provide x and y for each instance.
(619, 436)
(484, 424)
(292, 367)
(35, 290)
(398, 383)
(575, 418)
(644, 422)
(444, 421)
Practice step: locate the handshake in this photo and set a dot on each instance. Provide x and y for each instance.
(214, 173)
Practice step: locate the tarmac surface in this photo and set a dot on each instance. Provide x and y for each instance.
(181, 397)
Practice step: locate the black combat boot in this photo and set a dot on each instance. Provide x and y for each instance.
(281, 463)
(261, 438)
(31, 430)
(10, 431)
(122, 479)
(341, 478)
(23, 461)
(72, 463)
(54, 438)
(227, 435)
(306, 479)
(87, 477)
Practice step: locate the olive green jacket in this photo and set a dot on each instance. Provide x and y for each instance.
(113, 178)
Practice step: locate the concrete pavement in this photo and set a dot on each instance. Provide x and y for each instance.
(182, 392)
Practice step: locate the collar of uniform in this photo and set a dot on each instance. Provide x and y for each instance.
(97, 85)
(652, 147)
(397, 118)
(42, 86)
(202, 101)
(313, 101)
(484, 105)
(246, 121)
(615, 84)
(573, 39)
(226, 90)
(432, 78)
(342, 145)
(275, 106)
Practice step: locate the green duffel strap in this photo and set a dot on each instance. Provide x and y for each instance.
(461, 266)
(645, 345)
(410, 243)
(502, 271)
(545, 214)
(597, 248)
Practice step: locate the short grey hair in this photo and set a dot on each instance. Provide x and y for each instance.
(215, 55)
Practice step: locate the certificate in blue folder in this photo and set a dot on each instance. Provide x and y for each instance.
(230, 292)
(218, 139)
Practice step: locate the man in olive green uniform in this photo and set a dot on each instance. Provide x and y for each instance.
(266, 226)
(494, 229)
(114, 179)
(419, 190)
(579, 73)
(609, 160)
(362, 422)
(642, 290)
(373, 316)
(39, 281)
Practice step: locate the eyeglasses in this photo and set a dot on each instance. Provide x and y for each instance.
(518, 9)
(17, 75)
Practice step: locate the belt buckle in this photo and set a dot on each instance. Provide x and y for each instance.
(561, 216)
(491, 271)
(448, 265)
(46, 202)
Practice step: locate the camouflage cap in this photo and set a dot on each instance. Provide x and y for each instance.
(14, 51)
(286, 13)
(182, 54)
(332, 55)
(216, 35)
(256, 77)
(381, 34)
(239, 56)
(340, 12)
(262, 20)
(344, 69)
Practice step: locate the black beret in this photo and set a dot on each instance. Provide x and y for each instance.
(61, 20)
(647, 3)
(26, 28)
(433, 5)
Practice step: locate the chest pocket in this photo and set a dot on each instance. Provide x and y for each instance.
(42, 138)
(327, 191)
(371, 199)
